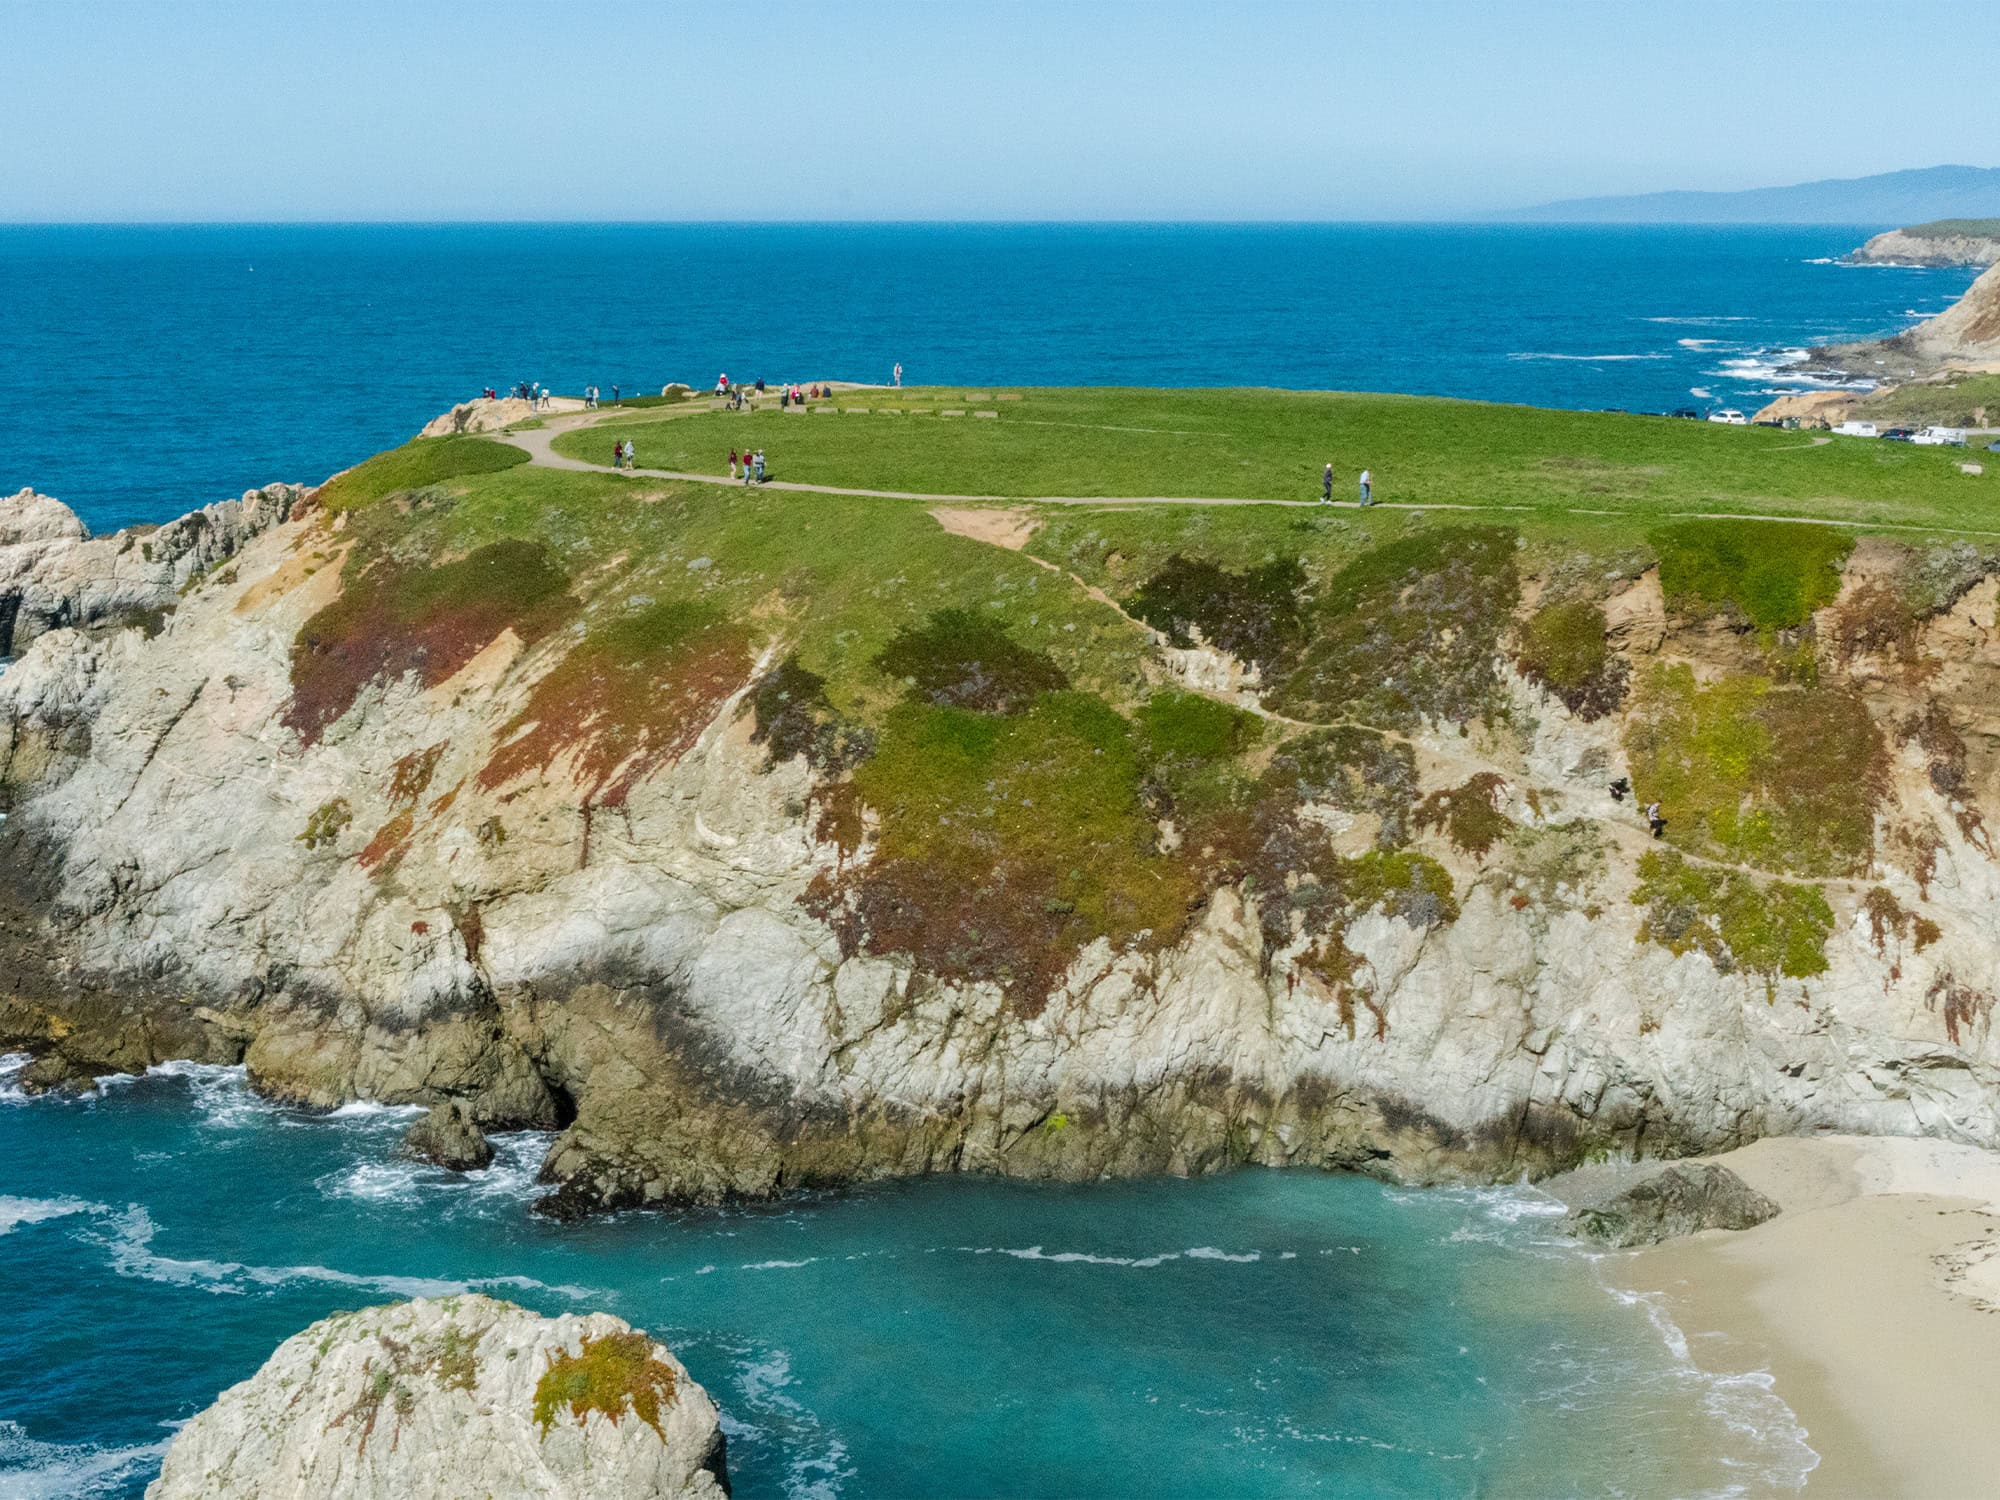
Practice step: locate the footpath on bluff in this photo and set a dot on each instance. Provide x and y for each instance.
(537, 443)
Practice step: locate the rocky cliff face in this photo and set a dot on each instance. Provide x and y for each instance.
(1975, 243)
(1965, 336)
(464, 1396)
(402, 892)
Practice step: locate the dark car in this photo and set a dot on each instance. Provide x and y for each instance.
(1899, 434)
(1685, 413)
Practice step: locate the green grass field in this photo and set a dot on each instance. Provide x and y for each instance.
(1267, 445)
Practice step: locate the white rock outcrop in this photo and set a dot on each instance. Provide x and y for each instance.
(463, 1396)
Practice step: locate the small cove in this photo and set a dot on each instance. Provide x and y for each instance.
(1257, 1333)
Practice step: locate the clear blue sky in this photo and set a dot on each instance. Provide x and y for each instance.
(770, 109)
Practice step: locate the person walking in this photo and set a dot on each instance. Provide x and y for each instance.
(760, 465)
(899, 374)
(732, 463)
(1367, 488)
(1654, 821)
(1326, 486)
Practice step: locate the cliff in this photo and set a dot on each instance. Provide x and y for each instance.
(757, 842)
(464, 1396)
(1942, 242)
(1964, 337)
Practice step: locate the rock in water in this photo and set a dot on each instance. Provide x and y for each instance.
(432, 1400)
(1683, 1199)
(449, 1137)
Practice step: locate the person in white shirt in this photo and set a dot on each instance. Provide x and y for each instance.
(1367, 487)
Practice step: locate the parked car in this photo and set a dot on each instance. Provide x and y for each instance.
(1685, 413)
(1729, 416)
(1993, 447)
(1856, 429)
(1941, 437)
(1899, 434)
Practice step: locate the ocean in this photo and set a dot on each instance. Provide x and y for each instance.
(1257, 1334)
(147, 370)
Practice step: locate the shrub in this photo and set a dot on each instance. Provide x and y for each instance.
(1563, 648)
(611, 1374)
(1407, 632)
(1773, 574)
(1469, 815)
(1254, 616)
(794, 717)
(1782, 777)
(961, 660)
(326, 823)
(1768, 928)
(1007, 843)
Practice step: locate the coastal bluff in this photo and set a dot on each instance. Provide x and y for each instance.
(1943, 242)
(434, 1400)
(755, 842)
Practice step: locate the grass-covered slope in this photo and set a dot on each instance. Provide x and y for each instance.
(998, 726)
(1262, 444)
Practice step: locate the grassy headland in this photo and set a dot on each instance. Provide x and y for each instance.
(1263, 444)
(1031, 783)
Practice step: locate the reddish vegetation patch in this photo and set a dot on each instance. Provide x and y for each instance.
(1963, 1006)
(392, 619)
(385, 851)
(413, 773)
(1468, 815)
(632, 697)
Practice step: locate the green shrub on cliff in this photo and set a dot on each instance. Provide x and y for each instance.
(1773, 573)
(1770, 928)
(1782, 777)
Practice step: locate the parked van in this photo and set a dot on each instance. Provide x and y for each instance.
(1729, 416)
(1941, 437)
(1856, 429)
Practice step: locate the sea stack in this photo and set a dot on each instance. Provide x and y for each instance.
(432, 1400)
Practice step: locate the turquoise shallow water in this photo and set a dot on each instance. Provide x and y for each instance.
(1256, 1334)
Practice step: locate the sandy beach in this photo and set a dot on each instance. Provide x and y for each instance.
(1871, 1300)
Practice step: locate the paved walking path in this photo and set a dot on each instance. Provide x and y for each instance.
(538, 444)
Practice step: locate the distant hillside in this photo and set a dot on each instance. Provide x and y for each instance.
(1909, 197)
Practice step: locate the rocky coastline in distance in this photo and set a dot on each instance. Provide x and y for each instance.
(1942, 242)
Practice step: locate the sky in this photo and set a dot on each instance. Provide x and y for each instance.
(839, 109)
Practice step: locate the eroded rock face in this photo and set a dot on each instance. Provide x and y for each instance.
(361, 915)
(1682, 1199)
(435, 1400)
(1899, 247)
(54, 574)
(449, 1137)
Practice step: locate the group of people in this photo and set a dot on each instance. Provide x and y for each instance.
(751, 465)
(538, 396)
(622, 455)
(1655, 820)
(591, 394)
(789, 394)
(1326, 487)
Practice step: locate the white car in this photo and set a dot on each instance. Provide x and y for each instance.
(1856, 429)
(1729, 416)
(1941, 437)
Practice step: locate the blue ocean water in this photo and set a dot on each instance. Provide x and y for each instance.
(1256, 1334)
(148, 369)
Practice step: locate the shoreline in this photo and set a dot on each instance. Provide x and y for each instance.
(1868, 1301)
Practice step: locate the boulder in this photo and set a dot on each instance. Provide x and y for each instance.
(449, 1137)
(1682, 1199)
(433, 1400)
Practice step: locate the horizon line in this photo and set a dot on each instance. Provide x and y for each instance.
(1513, 219)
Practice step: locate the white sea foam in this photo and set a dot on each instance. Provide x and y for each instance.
(1133, 1262)
(128, 1240)
(369, 1109)
(1745, 1402)
(817, 1472)
(511, 1178)
(1592, 359)
(31, 1469)
(777, 1265)
(1712, 321)
(15, 1212)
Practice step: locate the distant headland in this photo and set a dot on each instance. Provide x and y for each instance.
(1907, 197)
